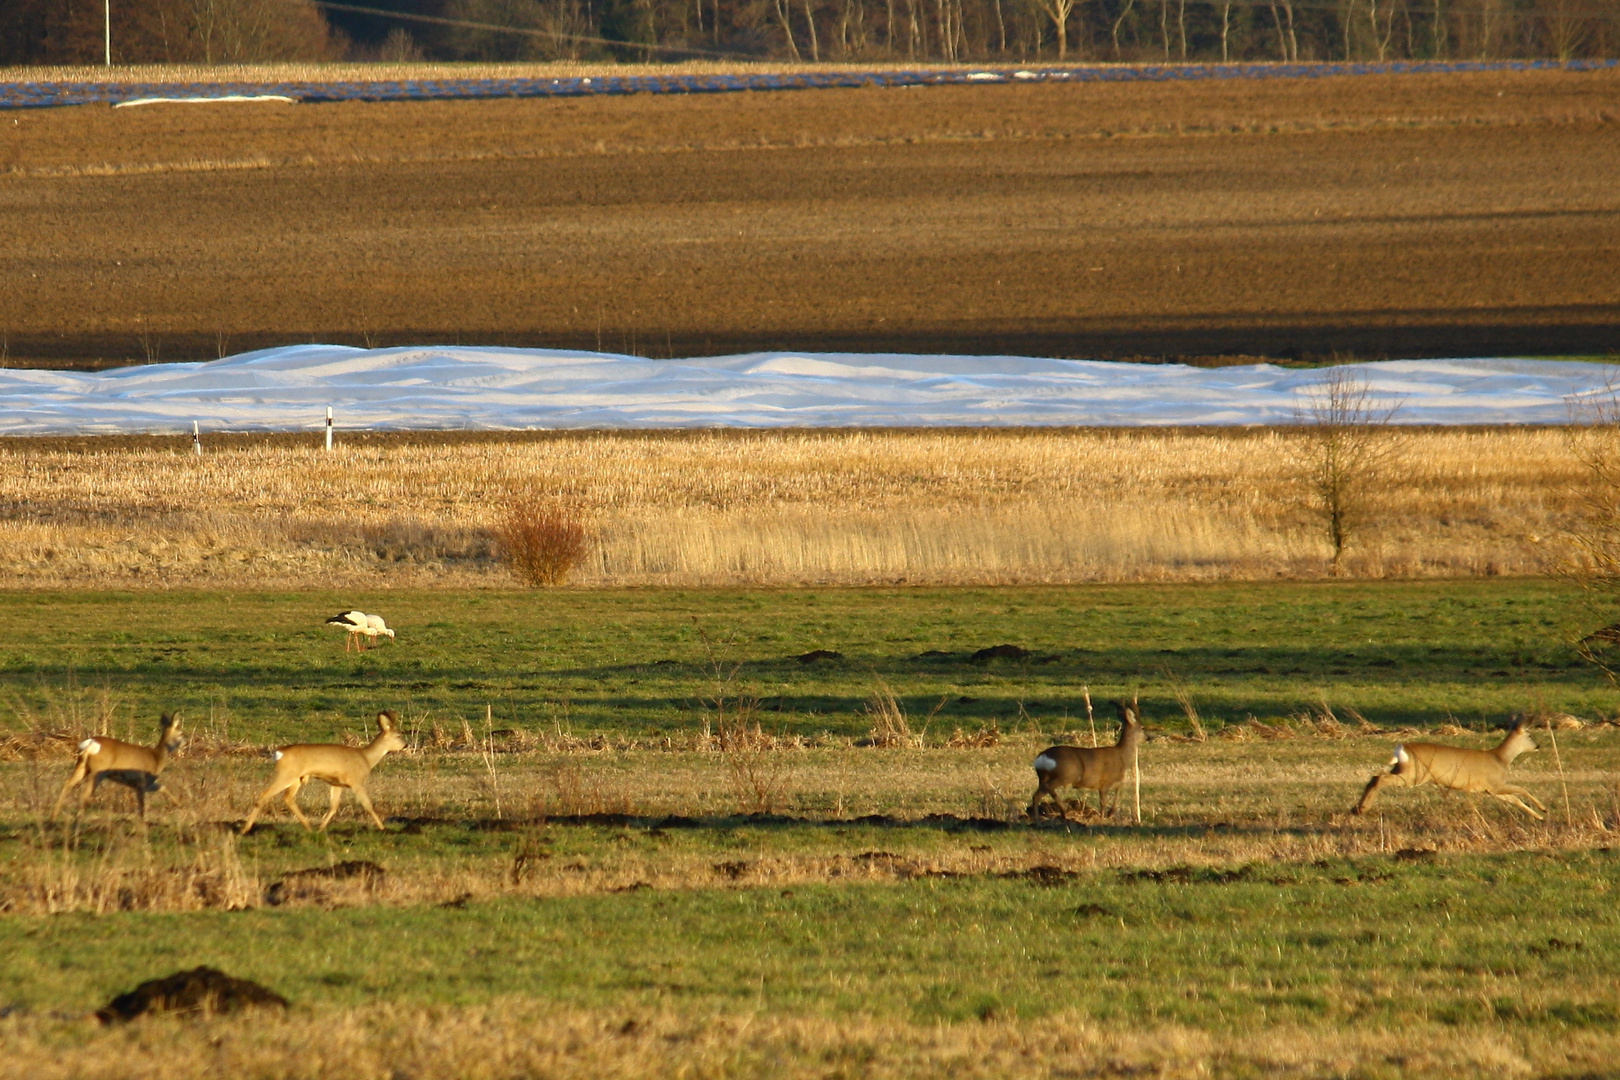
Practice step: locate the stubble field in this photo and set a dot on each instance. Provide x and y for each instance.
(1409, 215)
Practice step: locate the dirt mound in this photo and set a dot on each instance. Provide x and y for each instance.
(818, 654)
(1000, 652)
(202, 991)
(310, 886)
(1049, 876)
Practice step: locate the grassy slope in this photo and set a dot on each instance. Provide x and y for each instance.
(1401, 653)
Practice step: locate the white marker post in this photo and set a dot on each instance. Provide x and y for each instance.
(196, 439)
(106, 24)
(329, 429)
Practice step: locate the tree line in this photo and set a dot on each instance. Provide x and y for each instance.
(865, 31)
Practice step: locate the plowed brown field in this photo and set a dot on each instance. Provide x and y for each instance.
(1438, 215)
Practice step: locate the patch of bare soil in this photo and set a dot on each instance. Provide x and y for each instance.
(202, 991)
(1405, 215)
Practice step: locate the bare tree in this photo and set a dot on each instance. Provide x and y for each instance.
(1059, 11)
(1345, 448)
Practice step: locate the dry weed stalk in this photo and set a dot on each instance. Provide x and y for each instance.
(889, 724)
(731, 718)
(1183, 695)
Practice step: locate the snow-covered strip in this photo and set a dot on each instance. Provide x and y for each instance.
(278, 98)
(493, 389)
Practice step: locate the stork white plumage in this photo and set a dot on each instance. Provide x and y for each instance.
(356, 623)
(375, 628)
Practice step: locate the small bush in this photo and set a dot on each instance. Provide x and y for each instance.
(543, 541)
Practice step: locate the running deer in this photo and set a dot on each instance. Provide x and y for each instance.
(103, 758)
(1101, 769)
(340, 766)
(1482, 772)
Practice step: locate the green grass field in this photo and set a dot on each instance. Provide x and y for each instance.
(573, 881)
(635, 662)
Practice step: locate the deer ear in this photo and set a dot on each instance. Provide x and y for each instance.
(388, 720)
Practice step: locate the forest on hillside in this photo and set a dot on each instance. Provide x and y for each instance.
(817, 31)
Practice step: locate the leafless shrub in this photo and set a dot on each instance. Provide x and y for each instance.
(1347, 447)
(755, 765)
(543, 540)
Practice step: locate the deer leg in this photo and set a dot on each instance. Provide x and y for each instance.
(87, 789)
(1512, 799)
(1514, 789)
(1372, 787)
(1035, 799)
(291, 799)
(365, 800)
(77, 778)
(337, 798)
(275, 788)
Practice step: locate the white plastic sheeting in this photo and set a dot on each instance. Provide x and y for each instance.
(493, 389)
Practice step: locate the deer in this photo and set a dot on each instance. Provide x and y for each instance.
(1480, 772)
(104, 758)
(1100, 768)
(342, 767)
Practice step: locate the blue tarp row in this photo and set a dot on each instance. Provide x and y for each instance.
(30, 95)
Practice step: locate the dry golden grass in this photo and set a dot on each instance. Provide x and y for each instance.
(1222, 803)
(788, 508)
(525, 1039)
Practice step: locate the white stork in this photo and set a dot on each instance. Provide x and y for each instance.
(375, 628)
(356, 623)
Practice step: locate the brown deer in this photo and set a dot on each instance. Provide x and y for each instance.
(1101, 769)
(340, 766)
(104, 758)
(1482, 772)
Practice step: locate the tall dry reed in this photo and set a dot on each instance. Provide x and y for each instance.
(713, 508)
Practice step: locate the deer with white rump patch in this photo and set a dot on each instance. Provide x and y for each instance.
(1100, 769)
(104, 758)
(340, 766)
(1481, 772)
